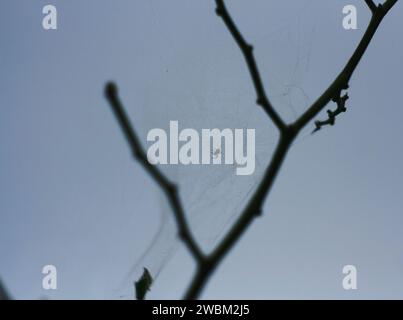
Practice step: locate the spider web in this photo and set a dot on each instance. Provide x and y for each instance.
(213, 196)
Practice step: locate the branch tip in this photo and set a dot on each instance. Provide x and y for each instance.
(111, 89)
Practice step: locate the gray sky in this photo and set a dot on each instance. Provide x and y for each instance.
(71, 196)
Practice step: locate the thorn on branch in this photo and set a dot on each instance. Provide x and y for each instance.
(332, 115)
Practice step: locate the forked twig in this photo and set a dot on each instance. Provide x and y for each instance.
(371, 5)
(206, 264)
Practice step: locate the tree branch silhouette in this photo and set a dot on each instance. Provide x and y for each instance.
(170, 189)
(371, 5)
(247, 51)
(207, 263)
(342, 80)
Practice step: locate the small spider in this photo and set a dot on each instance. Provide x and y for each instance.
(216, 153)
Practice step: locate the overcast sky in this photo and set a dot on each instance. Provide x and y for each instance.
(71, 196)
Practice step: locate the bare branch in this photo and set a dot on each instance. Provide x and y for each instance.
(252, 210)
(342, 80)
(247, 51)
(206, 264)
(371, 5)
(288, 134)
(169, 188)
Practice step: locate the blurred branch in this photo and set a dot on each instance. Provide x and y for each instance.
(168, 188)
(3, 292)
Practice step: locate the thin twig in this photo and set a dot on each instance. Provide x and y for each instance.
(247, 51)
(332, 115)
(388, 4)
(342, 80)
(169, 188)
(371, 5)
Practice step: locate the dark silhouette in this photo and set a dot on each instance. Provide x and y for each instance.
(3, 292)
(208, 262)
(341, 107)
(143, 284)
